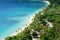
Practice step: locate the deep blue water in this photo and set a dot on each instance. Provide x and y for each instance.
(14, 14)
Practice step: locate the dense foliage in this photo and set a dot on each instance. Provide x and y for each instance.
(52, 14)
(54, 1)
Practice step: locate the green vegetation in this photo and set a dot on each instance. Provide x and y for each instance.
(54, 1)
(52, 14)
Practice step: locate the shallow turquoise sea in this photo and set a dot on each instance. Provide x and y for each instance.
(14, 15)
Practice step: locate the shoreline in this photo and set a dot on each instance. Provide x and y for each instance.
(29, 21)
(21, 29)
(48, 3)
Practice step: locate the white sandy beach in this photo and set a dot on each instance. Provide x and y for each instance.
(29, 21)
(48, 3)
(19, 30)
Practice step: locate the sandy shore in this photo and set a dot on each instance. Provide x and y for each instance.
(21, 29)
(48, 3)
(29, 21)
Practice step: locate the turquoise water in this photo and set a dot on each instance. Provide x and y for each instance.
(14, 14)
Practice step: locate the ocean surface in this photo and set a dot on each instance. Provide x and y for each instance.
(14, 15)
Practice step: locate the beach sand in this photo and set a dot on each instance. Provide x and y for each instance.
(48, 3)
(29, 21)
(20, 30)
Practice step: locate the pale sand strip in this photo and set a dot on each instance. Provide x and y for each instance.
(30, 20)
(47, 2)
(21, 29)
